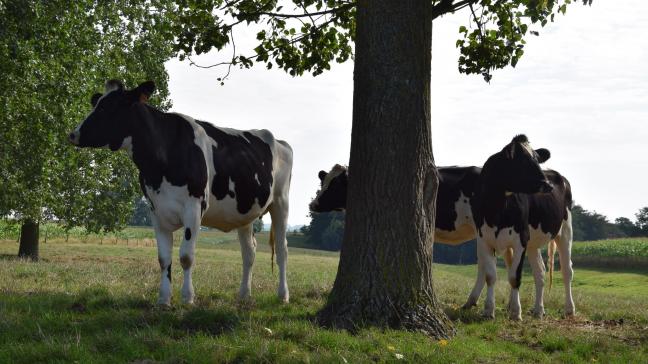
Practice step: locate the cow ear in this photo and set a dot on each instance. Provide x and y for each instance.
(94, 99)
(112, 85)
(144, 91)
(543, 155)
(322, 175)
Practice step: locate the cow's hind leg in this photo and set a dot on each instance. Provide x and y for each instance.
(165, 247)
(564, 242)
(279, 214)
(538, 268)
(248, 252)
(191, 222)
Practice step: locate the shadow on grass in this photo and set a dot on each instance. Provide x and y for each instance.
(465, 316)
(96, 311)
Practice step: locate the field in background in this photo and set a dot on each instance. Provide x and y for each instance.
(91, 302)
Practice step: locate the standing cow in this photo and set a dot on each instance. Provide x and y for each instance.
(194, 173)
(549, 219)
(518, 207)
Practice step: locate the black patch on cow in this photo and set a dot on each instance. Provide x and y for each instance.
(244, 159)
(453, 181)
(162, 143)
(203, 205)
(163, 147)
(169, 272)
(518, 272)
(187, 234)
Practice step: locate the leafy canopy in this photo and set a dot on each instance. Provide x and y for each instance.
(308, 35)
(53, 56)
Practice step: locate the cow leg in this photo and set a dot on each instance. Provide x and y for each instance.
(564, 241)
(515, 279)
(538, 268)
(487, 256)
(164, 239)
(188, 248)
(479, 286)
(279, 214)
(248, 252)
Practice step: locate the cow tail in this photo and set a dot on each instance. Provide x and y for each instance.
(271, 242)
(551, 251)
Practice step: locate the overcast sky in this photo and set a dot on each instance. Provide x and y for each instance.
(580, 90)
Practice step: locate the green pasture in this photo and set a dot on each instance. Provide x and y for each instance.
(88, 301)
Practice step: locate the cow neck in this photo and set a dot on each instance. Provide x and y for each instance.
(491, 200)
(149, 140)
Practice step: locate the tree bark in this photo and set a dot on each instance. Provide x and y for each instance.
(29, 240)
(385, 272)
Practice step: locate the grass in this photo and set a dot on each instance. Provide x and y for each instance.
(86, 303)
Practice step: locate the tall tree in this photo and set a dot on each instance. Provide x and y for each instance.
(53, 56)
(385, 276)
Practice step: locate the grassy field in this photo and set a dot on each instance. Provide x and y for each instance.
(89, 302)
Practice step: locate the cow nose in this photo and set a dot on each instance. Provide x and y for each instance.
(73, 138)
(546, 187)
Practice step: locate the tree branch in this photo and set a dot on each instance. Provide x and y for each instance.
(305, 14)
(450, 6)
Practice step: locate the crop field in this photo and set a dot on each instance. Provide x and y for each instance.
(88, 301)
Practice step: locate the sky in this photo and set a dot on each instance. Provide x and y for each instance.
(580, 90)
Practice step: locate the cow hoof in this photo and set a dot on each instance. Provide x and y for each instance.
(539, 314)
(468, 305)
(188, 302)
(488, 315)
(515, 317)
(570, 314)
(284, 298)
(164, 305)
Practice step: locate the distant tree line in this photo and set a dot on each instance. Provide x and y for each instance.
(590, 225)
(326, 230)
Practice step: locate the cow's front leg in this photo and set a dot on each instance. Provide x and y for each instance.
(489, 262)
(248, 253)
(538, 269)
(515, 280)
(191, 221)
(164, 239)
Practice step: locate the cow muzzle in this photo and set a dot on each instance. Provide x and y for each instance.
(74, 137)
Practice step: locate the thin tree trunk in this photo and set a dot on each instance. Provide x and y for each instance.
(385, 272)
(29, 240)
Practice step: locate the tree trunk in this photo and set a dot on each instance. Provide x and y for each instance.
(29, 240)
(385, 272)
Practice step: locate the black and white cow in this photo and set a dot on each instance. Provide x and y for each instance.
(454, 221)
(193, 174)
(519, 207)
(454, 213)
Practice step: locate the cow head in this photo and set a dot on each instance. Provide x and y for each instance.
(333, 191)
(110, 122)
(516, 168)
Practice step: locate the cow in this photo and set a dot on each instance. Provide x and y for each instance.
(194, 173)
(519, 207)
(455, 223)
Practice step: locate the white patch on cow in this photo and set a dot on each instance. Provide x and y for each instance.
(464, 226)
(256, 178)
